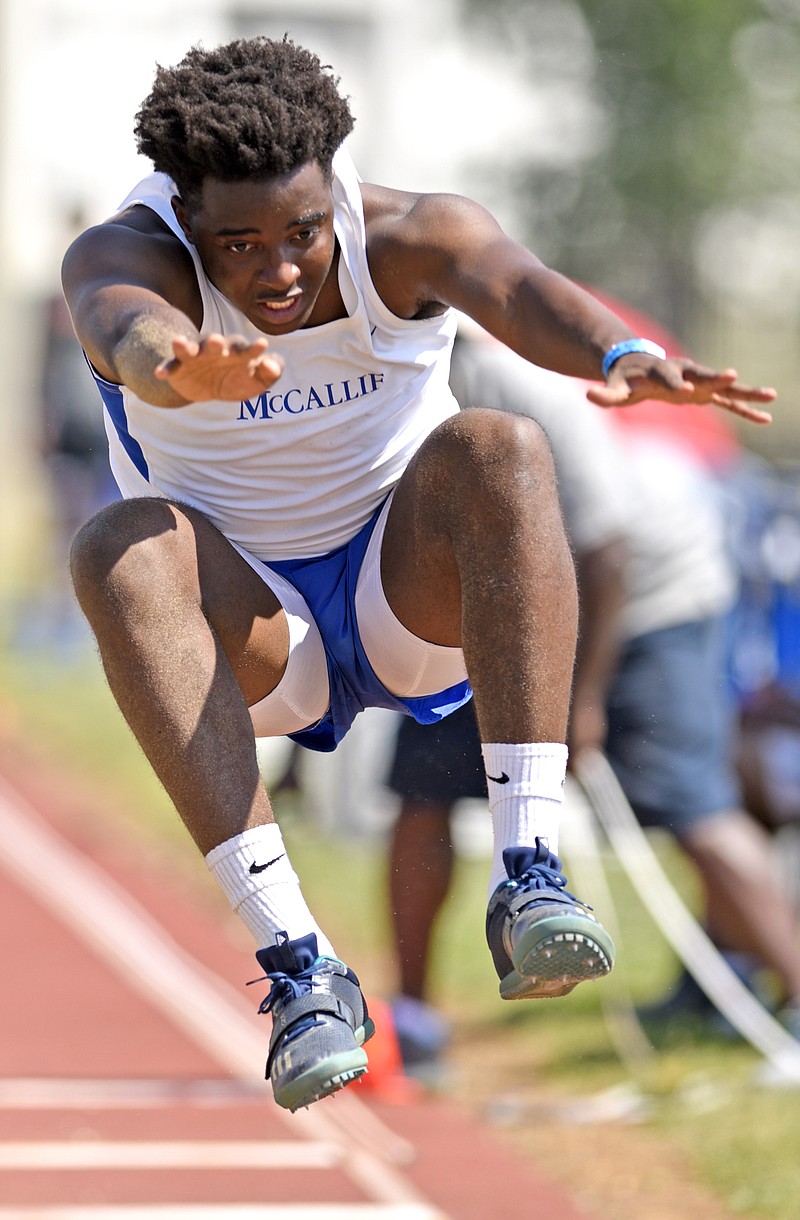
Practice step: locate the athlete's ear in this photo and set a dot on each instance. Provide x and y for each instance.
(182, 216)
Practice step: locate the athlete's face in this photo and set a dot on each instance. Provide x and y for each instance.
(267, 245)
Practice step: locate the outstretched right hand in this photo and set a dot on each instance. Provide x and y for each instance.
(639, 376)
(220, 368)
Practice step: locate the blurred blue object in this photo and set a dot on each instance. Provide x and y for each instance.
(763, 516)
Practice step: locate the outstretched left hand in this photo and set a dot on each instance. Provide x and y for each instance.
(220, 367)
(639, 376)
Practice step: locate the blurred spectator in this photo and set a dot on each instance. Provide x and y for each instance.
(650, 686)
(74, 453)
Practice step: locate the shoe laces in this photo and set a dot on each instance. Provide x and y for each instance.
(544, 875)
(286, 987)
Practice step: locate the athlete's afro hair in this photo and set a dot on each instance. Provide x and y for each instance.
(255, 108)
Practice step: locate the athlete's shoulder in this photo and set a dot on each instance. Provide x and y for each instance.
(415, 242)
(134, 247)
(136, 231)
(413, 217)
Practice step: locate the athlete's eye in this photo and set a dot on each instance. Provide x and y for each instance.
(240, 247)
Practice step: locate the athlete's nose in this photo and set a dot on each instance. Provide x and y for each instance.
(278, 277)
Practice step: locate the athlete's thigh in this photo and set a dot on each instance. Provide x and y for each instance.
(418, 566)
(455, 486)
(244, 612)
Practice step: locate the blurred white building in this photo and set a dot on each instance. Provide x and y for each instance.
(428, 104)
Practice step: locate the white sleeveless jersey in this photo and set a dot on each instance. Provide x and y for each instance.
(299, 470)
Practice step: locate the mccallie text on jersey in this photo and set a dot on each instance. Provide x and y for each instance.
(295, 400)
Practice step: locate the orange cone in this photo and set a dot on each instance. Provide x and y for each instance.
(385, 1077)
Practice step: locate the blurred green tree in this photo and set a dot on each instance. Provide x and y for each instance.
(679, 86)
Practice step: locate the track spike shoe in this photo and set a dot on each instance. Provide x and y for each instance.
(319, 1022)
(543, 940)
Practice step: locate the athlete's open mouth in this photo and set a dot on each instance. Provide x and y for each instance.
(281, 309)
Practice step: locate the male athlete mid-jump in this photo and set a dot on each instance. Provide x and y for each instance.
(310, 527)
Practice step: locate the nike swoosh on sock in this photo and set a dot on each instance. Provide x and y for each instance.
(259, 868)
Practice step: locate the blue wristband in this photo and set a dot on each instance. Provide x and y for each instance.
(630, 345)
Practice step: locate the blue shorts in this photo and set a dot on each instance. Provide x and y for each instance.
(328, 584)
(670, 722)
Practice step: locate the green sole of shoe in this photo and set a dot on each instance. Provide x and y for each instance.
(554, 956)
(322, 1080)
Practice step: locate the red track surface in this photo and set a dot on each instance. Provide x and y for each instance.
(131, 1062)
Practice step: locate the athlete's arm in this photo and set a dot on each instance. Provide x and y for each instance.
(430, 250)
(136, 307)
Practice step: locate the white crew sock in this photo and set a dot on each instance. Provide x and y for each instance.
(254, 873)
(526, 794)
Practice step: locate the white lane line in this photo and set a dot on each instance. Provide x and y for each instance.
(168, 1154)
(130, 942)
(39, 1093)
(226, 1211)
(103, 915)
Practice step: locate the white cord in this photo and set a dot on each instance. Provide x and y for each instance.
(697, 952)
(582, 847)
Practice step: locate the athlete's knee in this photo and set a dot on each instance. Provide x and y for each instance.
(494, 448)
(122, 543)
